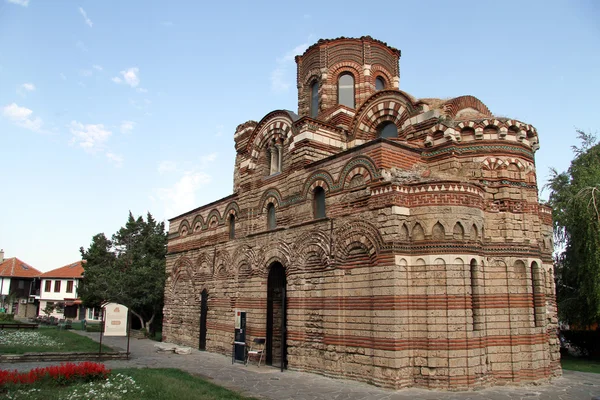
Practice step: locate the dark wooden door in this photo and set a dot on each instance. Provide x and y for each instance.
(203, 315)
(276, 317)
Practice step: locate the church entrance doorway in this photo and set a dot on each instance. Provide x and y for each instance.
(203, 312)
(276, 317)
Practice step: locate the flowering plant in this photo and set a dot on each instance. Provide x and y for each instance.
(61, 374)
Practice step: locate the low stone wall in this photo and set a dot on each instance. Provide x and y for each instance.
(56, 356)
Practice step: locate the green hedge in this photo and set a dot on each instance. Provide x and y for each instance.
(586, 341)
(91, 327)
(6, 317)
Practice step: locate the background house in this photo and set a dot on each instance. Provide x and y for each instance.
(59, 289)
(18, 284)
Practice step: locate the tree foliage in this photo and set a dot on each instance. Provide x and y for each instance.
(575, 200)
(128, 269)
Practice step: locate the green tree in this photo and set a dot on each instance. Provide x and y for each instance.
(575, 200)
(129, 269)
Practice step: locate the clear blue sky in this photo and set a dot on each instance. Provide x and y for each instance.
(111, 106)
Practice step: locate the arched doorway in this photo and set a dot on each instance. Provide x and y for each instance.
(276, 317)
(203, 314)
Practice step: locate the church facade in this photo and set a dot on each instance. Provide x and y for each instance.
(374, 236)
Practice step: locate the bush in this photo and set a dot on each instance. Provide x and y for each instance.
(6, 317)
(587, 342)
(91, 327)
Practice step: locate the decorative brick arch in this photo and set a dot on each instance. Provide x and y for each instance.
(278, 123)
(182, 271)
(312, 75)
(203, 268)
(359, 170)
(198, 223)
(213, 215)
(357, 232)
(184, 228)
(385, 105)
(320, 178)
(244, 261)
(380, 70)
(337, 70)
(277, 251)
(312, 244)
(452, 107)
(231, 209)
(271, 195)
(364, 162)
(223, 265)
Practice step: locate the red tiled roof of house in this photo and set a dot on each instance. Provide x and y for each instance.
(74, 270)
(13, 267)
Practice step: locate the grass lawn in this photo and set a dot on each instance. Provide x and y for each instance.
(45, 340)
(580, 364)
(132, 383)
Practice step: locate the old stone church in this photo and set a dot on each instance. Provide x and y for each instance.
(374, 236)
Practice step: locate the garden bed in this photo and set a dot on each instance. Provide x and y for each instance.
(46, 340)
(129, 384)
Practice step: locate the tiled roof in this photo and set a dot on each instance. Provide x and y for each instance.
(74, 270)
(13, 267)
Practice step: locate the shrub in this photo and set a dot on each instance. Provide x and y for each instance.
(92, 327)
(6, 317)
(587, 342)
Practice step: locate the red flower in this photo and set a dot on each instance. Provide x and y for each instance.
(61, 374)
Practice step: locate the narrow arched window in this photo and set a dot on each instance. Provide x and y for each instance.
(346, 90)
(319, 202)
(387, 130)
(271, 220)
(314, 99)
(379, 83)
(232, 227)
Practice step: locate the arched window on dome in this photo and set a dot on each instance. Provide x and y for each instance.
(271, 219)
(319, 202)
(387, 130)
(346, 90)
(314, 99)
(379, 83)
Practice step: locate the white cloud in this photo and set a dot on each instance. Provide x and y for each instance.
(14, 112)
(115, 159)
(63, 76)
(24, 88)
(130, 76)
(97, 67)
(90, 137)
(86, 72)
(182, 195)
(30, 87)
(127, 126)
(142, 90)
(85, 17)
(281, 77)
(81, 84)
(81, 46)
(207, 159)
(23, 3)
(22, 116)
(166, 166)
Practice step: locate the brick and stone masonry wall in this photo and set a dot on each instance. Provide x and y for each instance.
(433, 267)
